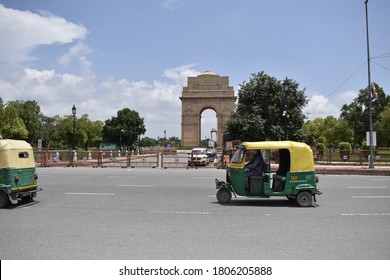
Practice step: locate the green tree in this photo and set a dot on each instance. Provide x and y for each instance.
(148, 142)
(64, 127)
(329, 123)
(49, 132)
(126, 127)
(342, 132)
(28, 112)
(174, 141)
(1, 116)
(12, 125)
(357, 113)
(89, 132)
(382, 127)
(315, 129)
(329, 131)
(353, 114)
(265, 112)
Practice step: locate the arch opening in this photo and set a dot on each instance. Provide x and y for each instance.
(208, 128)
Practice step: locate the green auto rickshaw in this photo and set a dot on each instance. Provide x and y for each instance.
(18, 177)
(294, 175)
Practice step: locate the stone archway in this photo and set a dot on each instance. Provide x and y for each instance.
(205, 91)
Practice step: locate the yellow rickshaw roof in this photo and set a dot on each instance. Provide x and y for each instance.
(9, 154)
(271, 145)
(10, 144)
(301, 154)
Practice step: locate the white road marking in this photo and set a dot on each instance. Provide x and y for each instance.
(380, 179)
(70, 193)
(366, 214)
(181, 212)
(371, 196)
(367, 187)
(137, 186)
(117, 176)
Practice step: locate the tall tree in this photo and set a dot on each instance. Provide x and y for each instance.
(49, 132)
(125, 128)
(1, 116)
(315, 129)
(65, 130)
(357, 113)
(265, 112)
(28, 112)
(382, 127)
(12, 125)
(89, 132)
(329, 131)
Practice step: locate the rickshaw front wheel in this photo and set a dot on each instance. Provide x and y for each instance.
(3, 199)
(304, 199)
(224, 196)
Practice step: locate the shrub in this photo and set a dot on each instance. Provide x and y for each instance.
(320, 146)
(345, 146)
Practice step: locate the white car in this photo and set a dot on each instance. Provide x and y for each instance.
(198, 156)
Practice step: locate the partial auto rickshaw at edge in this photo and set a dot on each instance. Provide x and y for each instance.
(18, 177)
(295, 177)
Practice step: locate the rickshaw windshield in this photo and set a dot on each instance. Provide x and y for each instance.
(238, 155)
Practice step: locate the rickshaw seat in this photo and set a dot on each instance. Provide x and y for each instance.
(279, 177)
(256, 184)
(278, 183)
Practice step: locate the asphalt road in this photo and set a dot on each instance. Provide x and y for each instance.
(142, 213)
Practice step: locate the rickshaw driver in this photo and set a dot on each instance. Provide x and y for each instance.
(254, 167)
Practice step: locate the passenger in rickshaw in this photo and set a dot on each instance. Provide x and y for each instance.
(254, 167)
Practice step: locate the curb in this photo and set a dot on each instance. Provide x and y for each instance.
(353, 171)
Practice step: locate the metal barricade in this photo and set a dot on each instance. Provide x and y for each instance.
(147, 160)
(174, 160)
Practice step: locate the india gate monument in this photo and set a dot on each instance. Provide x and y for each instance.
(205, 91)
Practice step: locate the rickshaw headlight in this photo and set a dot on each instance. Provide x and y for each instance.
(35, 176)
(16, 178)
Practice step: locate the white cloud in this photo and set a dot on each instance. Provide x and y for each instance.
(347, 97)
(22, 31)
(55, 92)
(172, 4)
(75, 52)
(158, 102)
(320, 106)
(180, 74)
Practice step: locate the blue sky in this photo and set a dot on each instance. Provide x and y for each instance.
(103, 55)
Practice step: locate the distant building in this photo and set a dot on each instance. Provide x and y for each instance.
(206, 91)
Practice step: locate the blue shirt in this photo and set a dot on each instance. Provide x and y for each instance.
(256, 164)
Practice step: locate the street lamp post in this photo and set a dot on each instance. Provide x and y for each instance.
(120, 139)
(286, 88)
(371, 159)
(74, 126)
(165, 138)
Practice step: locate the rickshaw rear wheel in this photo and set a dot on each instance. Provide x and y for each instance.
(304, 199)
(3, 199)
(224, 196)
